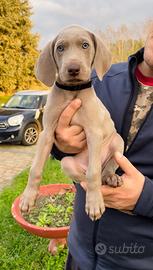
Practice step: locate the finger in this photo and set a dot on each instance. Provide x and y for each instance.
(80, 137)
(82, 144)
(71, 134)
(79, 146)
(76, 130)
(107, 190)
(109, 205)
(125, 164)
(67, 114)
(84, 185)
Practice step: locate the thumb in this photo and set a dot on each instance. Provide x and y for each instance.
(125, 164)
(67, 115)
(84, 185)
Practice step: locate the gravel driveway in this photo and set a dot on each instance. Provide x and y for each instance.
(14, 159)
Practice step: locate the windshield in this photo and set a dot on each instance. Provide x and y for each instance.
(23, 102)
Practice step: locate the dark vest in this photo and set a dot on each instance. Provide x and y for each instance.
(118, 241)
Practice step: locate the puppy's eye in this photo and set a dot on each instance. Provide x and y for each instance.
(60, 48)
(85, 45)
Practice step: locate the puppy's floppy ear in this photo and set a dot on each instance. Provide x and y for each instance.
(102, 60)
(45, 68)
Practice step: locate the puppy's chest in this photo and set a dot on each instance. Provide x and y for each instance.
(89, 114)
(76, 120)
(92, 113)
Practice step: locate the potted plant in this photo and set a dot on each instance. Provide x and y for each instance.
(50, 213)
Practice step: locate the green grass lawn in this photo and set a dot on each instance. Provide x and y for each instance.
(20, 250)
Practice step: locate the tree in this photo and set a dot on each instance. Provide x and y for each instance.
(18, 46)
(123, 42)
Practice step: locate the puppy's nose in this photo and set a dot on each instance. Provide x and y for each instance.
(74, 69)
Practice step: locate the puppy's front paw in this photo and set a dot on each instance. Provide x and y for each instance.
(112, 180)
(27, 199)
(94, 204)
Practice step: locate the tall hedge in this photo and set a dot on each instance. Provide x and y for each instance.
(18, 46)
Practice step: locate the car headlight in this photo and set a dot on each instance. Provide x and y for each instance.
(15, 120)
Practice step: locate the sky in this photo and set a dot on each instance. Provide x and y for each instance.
(49, 16)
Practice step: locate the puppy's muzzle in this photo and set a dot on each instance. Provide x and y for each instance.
(73, 70)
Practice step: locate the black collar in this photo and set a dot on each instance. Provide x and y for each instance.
(74, 87)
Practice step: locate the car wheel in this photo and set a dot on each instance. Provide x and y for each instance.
(30, 134)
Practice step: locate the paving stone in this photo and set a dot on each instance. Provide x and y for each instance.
(13, 160)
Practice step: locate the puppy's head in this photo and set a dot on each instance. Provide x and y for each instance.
(71, 56)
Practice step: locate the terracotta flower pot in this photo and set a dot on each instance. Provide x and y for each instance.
(58, 235)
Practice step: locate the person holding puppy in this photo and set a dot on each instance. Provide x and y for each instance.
(118, 240)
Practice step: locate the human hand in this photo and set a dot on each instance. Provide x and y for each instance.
(70, 138)
(125, 196)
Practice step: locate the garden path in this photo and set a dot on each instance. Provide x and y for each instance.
(14, 159)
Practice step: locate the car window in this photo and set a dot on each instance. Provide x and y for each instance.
(44, 101)
(23, 101)
(13, 102)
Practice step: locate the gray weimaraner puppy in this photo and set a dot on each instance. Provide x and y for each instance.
(66, 63)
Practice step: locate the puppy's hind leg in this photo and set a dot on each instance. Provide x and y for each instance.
(109, 177)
